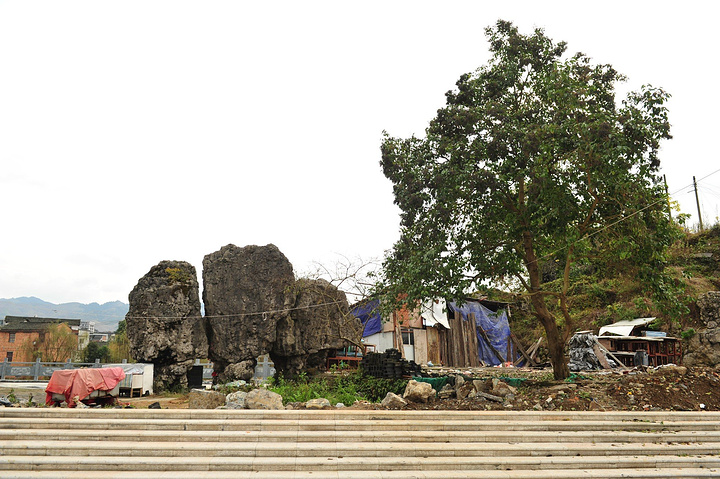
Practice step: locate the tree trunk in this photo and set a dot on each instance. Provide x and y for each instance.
(556, 345)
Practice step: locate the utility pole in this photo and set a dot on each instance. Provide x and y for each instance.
(697, 201)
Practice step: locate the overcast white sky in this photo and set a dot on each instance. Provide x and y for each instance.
(137, 131)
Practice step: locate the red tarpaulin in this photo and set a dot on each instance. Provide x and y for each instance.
(82, 382)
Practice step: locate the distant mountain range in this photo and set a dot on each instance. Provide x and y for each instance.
(106, 316)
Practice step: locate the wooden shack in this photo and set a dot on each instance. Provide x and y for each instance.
(625, 338)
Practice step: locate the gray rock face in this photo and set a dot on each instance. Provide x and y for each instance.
(319, 321)
(703, 349)
(246, 292)
(164, 324)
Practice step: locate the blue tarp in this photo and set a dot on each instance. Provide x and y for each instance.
(495, 326)
(369, 315)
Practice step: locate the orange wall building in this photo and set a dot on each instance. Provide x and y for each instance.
(18, 329)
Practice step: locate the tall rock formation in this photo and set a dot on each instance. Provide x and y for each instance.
(703, 349)
(320, 321)
(164, 322)
(247, 292)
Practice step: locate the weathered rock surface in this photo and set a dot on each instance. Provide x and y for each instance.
(703, 349)
(246, 291)
(501, 388)
(419, 392)
(236, 400)
(320, 321)
(204, 399)
(263, 399)
(393, 401)
(164, 323)
(319, 403)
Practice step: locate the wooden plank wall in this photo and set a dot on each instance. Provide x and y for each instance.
(458, 346)
(433, 345)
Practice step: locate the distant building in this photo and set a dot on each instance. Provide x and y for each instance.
(17, 329)
(100, 337)
(88, 326)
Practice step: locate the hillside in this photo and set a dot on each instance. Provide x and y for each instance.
(603, 297)
(106, 316)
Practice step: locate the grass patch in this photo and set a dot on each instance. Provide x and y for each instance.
(345, 388)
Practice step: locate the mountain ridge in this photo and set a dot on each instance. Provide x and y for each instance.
(106, 316)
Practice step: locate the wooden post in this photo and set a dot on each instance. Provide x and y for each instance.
(523, 353)
(622, 366)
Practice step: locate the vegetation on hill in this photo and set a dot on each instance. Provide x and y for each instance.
(606, 295)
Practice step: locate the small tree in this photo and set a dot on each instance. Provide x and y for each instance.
(531, 160)
(119, 347)
(58, 343)
(95, 351)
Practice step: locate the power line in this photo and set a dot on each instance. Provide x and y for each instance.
(240, 315)
(589, 235)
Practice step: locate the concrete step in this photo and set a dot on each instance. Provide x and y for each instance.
(645, 473)
(361, 436)
(31, 447)
(356, 414)
(333, 463)
(355, 425)
(130, 443)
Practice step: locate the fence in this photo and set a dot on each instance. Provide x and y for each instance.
(21, 371)
(37, 370)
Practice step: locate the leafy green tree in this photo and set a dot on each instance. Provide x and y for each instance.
(530, 160)
(95, 351)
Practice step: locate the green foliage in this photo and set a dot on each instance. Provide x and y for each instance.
(95, 351)
(121, 327)
(178, 276)
(531, 160)
(11, 397)
(345, 388)
(687, 334)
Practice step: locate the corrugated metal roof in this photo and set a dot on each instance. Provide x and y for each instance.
(624, 328)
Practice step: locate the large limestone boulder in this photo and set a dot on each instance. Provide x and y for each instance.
(703, 349)
(263, 399)
(418, 392)
(246, 292)
(204, 399)
(320, 320)
(164, 324)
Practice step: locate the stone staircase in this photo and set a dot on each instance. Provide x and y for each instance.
(179, 444)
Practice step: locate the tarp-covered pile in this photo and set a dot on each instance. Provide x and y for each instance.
(583, 353)
(81, 383)
(495, 325)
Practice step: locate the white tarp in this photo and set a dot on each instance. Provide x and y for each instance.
(624, 328)
(434, 312)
